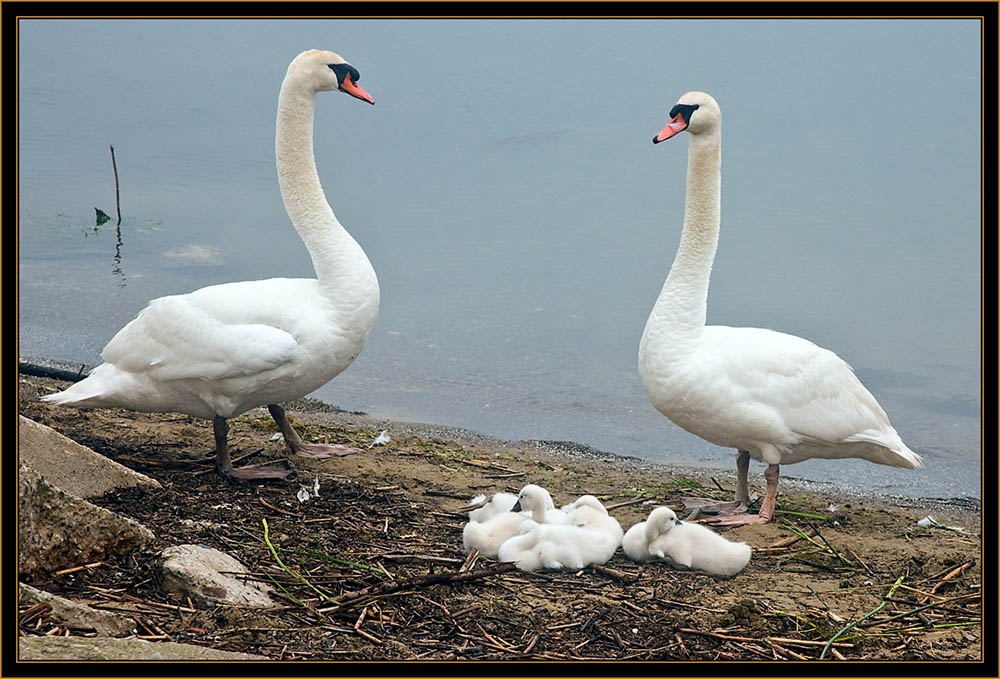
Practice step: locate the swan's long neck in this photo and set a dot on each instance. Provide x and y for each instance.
(337, 258)
(679, 314)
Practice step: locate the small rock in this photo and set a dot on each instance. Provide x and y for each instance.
(211, 577)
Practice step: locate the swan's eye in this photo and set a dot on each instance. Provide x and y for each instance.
(685, 111)
(345, 69)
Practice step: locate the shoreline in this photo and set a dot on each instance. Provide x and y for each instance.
(569, 451)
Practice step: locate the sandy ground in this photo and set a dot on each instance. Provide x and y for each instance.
(355, 560)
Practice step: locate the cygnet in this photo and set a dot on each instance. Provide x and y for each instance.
(498, 504)
(537, 501)
(584, 500)
(690, 545)
(488, 535)
(589, 513)
(554, 547)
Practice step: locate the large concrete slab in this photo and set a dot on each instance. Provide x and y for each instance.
(74, 468)
(103, 648)
(57, 530)
(81, 616)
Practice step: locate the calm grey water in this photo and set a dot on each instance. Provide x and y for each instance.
(520, 221)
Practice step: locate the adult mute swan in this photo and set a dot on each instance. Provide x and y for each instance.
(217, 352)
(776, 397)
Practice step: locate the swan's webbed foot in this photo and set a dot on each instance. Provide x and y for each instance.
(739, 519)
(737, 516)
(319, 451)
(710, 506)
(251, 472)
(766, 506)
(260, 472)
(316, 451)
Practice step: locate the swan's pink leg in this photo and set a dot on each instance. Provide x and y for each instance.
(737, 506)
(766, 506)
(224, 464)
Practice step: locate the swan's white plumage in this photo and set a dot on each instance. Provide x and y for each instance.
(779, 397)
(584, 501)
(524, 549)
(580, 534)
(634, 543)
(590, 513)
(223, 349)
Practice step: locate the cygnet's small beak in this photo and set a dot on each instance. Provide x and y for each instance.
(355, 90)
(516, 507)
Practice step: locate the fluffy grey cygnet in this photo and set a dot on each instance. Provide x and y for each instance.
(665, 537)
(488, 531)
(498, 504)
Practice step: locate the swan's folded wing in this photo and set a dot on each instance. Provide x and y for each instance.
(825, 403)
(173, 339)
(837, 410)
(816, 392)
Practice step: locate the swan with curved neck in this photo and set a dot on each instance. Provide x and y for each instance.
(775, 397)
(218, 351)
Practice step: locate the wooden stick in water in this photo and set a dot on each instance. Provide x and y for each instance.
(118, 204)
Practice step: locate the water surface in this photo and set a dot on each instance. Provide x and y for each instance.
(520, 221)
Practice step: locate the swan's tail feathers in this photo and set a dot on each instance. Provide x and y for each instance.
(92, 392)
(902, 456)
(71, 396)
(77, 400)
(888, 449)
(913, 460)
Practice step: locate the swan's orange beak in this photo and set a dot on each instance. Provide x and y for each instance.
(355, 90)
(676, 124)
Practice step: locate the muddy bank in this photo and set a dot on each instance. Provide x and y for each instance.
(386, 519)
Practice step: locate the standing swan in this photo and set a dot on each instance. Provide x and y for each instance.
(777, 397)
(217, 352)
